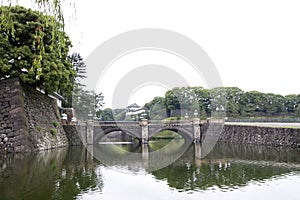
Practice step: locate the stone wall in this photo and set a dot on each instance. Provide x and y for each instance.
(268, 136)
(73, 135)
(29, 120)
(288, 137)
(13, 126)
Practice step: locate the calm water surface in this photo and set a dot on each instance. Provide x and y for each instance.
(228, 172)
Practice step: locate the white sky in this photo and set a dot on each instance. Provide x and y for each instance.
(255, 45)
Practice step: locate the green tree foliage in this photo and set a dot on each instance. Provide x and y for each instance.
(51, 7)
(291, 102)
(79, 66)
(233, 100)
(203, 98)
(83, 101)
(119, 114)
(86, 103)
(236, 103)
(179, 100)
(32, 53)
(106, 114)
(156, 108)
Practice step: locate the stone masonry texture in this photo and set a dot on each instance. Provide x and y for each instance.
(29, 120)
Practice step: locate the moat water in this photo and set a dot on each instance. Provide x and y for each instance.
(228, 172)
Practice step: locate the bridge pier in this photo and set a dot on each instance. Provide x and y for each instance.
(196, 128)
(198, 154)
(145, 131)
(89, 154)
(145, 155)
(89, 132)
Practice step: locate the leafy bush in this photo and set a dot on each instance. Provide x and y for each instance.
(38, 128)
(55, 124)
(53, 132)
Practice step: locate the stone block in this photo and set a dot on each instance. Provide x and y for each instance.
(18, 124)
(20, 142)
(10, 150)
(8, 130)
(16, 110)
(11, 134)
(18, 149)
(3, 151)
(16, 100)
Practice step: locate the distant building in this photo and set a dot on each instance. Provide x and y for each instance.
(134, 110)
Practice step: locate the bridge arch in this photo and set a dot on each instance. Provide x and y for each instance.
(187, 135)
(101, 132)
(142, 130)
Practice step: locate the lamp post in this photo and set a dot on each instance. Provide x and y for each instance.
(186, 117)
(196, 114)
(90, 115)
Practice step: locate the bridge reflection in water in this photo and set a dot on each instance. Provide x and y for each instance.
(70, 173)
(141, 158)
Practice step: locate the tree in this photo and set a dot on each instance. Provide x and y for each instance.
(156, 108)
(32, 53)
(79, 66)
(83, 101)
(171, 101)
(291, 103)
(86, 102)
(106, 114)
(275, 105)
(119, 114)
(233, 101)
(203, 98)
(51, 7)
(99, 101)
(251, 103)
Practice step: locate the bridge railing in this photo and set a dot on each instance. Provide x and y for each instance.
(120, 123)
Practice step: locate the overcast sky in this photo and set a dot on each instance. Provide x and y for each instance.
(255, 45)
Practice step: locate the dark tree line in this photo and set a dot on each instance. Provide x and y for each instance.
(236, 103)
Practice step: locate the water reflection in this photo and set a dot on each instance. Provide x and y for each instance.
(56, 174)
(228, 166)
(72, 173)
(141, 158)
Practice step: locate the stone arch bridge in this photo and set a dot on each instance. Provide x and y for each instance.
(142, 130)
